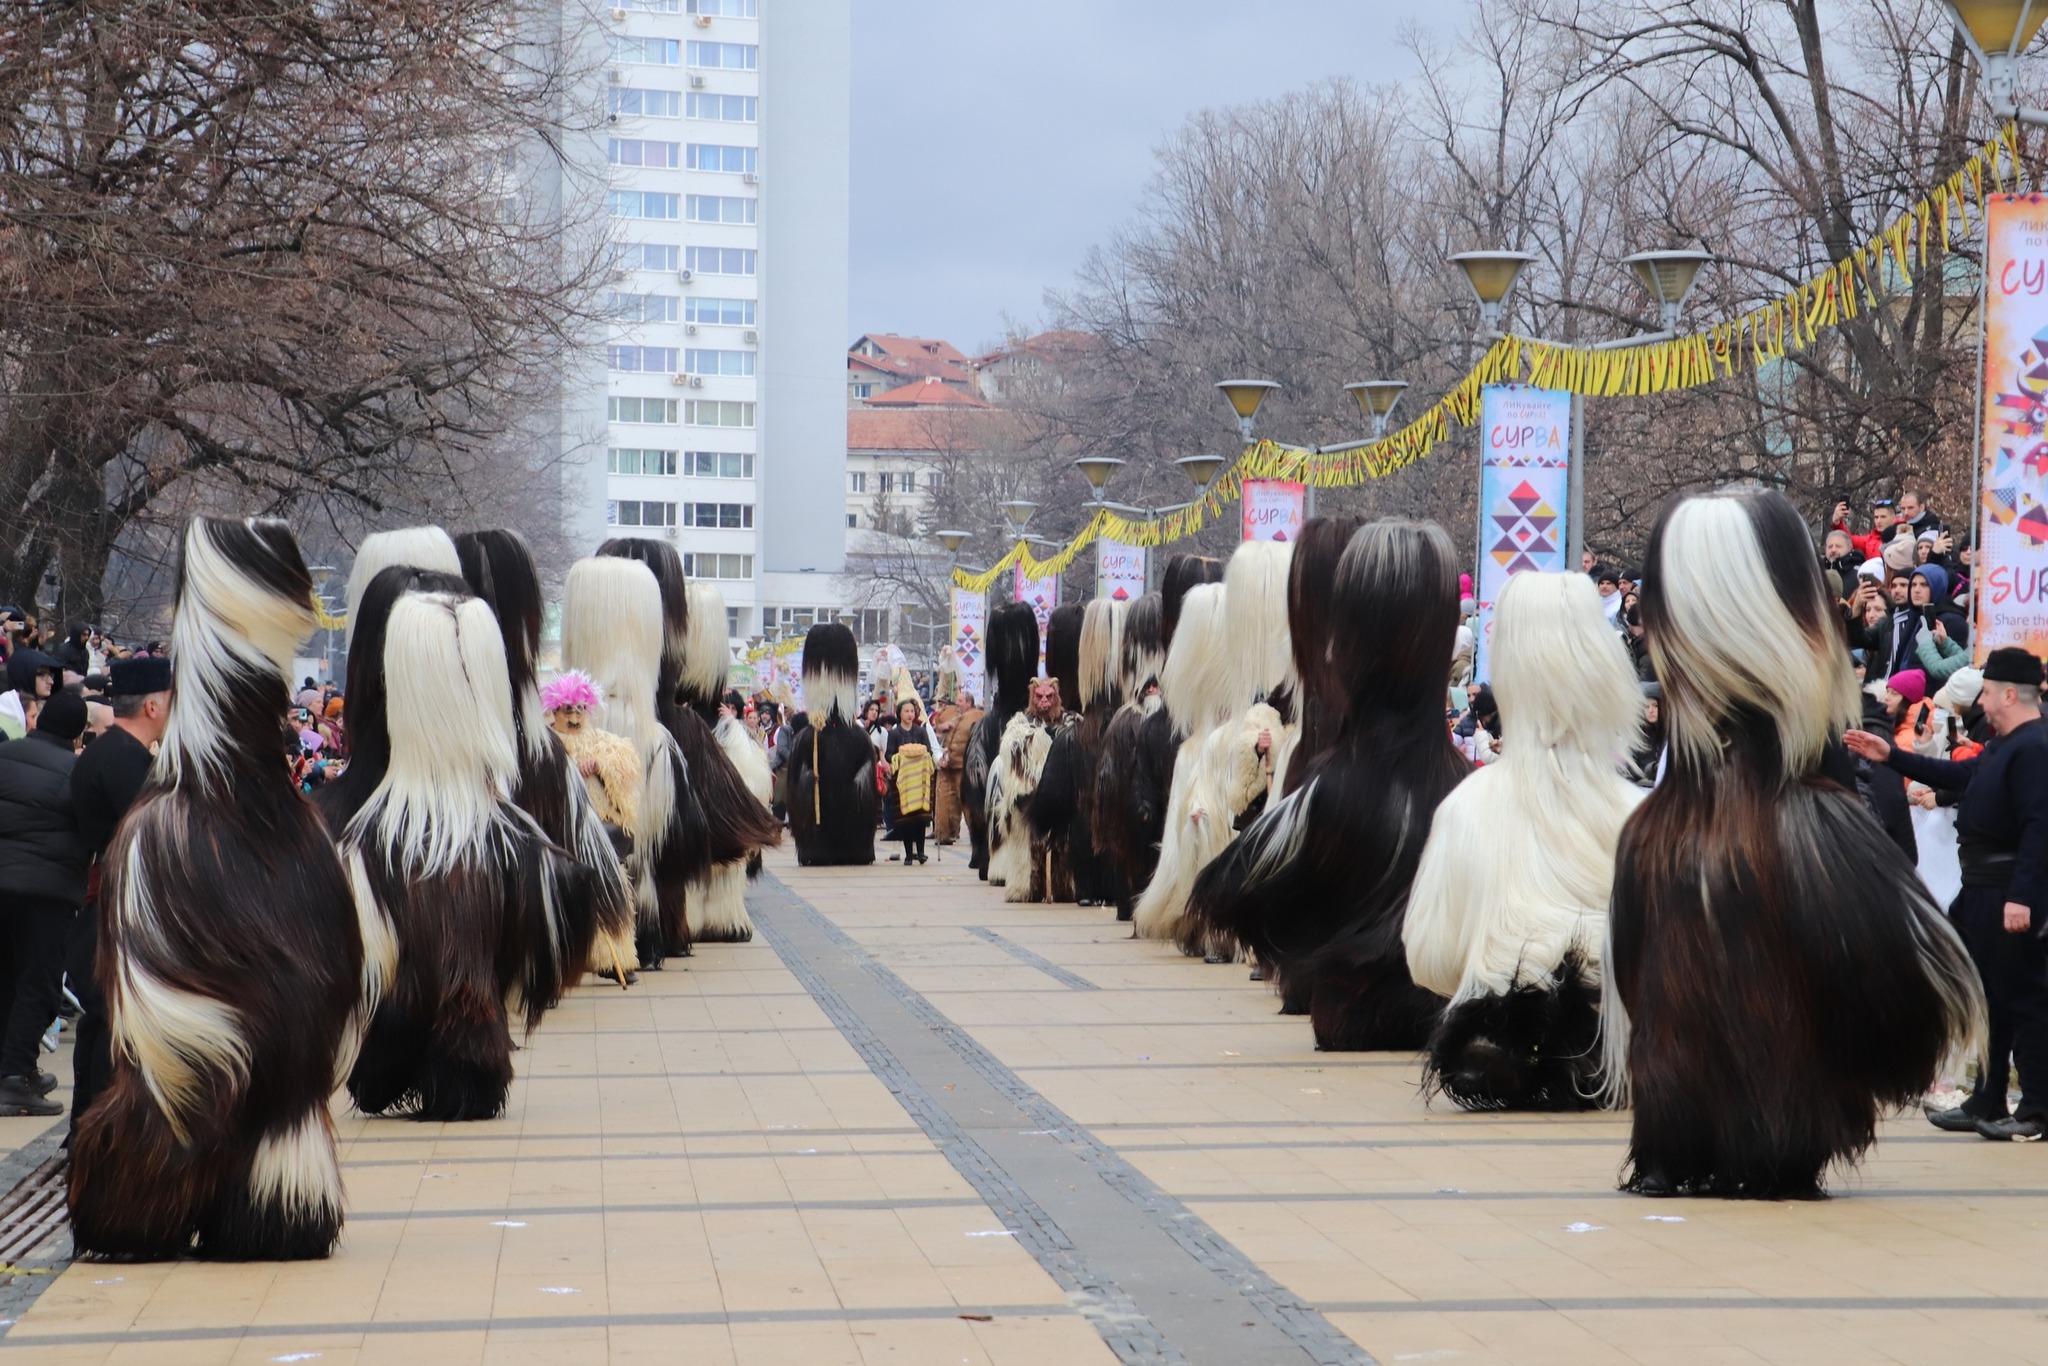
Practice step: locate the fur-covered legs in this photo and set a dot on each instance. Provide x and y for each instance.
(1535, 1048)
(717, 906)
(459, 1068)
(288, 1205)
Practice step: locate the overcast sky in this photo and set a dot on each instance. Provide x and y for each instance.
(995, 141)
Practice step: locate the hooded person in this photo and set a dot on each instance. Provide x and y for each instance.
(717, 904)
(213, 1134)
(713, 796)
(610, 771)
(472, 888)
(1129, 804)
(1011, 662)
(612, 630)
(1317, 886)
(1775, 974)
(1063, 807)
(499, 568)
(1508, 915)
(833, 800)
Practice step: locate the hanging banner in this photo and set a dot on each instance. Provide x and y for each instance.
(970, 621)
(1119, 570)
(1043, 595)
(1272, 509)
(2011, 566)
(1525, 445)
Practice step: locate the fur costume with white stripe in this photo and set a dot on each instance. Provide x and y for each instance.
(1309, 575)
(717, 905)
(1776, 973)
(1317, 885)
(1012, 662)
(500, 569)
(230, 950)
(833, 804)
(1063, 807)
(1017, 863)
(1508, 915)
(1131, 777)
(474, 890)
(612, 630)
(1199, 685)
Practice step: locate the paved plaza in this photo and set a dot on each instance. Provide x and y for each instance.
(909, 1123)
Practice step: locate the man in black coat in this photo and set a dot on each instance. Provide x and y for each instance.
(108, 779)
(42, 878)
(2002, 910)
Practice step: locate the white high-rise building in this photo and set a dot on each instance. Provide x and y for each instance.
(721, 392)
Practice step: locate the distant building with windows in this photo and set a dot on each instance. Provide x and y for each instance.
(712, 409)
(879, 364)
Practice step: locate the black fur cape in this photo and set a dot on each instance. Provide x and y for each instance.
(833, 804)
(1012, 664)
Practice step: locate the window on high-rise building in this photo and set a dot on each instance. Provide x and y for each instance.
(723, 56)
(719, 208)
(725, 9)
(725, 516)
(656, 410)
(724, 108)
(642, 308)
(649, 256)
(643, 360)
(652, 104)
(719, 260)
(643, 204)
(633, 512)
(723, 312)
(647, 51)
(643, 152)
(699, 360)
(629, 460)
(719, 464)
(708, 412)
(655, 6)
(704, 566)
(714, 156)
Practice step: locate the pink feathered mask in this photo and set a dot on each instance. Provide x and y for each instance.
(574, 688)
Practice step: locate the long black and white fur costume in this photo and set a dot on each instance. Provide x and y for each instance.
(1012, 662)
(1309, 574)
(230, 950)
(1031, 857)
(1063, 807)
(1131, 777)
(717, 905)
(499, 568)
(1776, 974)
(612, 629)
(833, 804)
(474, 890)
(1317, 886)
(1508, 915)
(712, 797)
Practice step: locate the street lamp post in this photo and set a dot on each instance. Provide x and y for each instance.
(1376, 400)
(1998, 31)
(1097, 470)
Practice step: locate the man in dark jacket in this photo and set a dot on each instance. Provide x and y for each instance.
(42, 878)
(108, 779)
(2002, 840)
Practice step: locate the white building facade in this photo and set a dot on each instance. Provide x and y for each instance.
(725, 182)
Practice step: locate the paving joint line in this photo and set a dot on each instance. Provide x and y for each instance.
(1045, 965)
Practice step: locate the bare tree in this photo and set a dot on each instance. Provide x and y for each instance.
(280, 258)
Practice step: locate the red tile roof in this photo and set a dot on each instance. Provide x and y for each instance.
(916, 429)
(910, 357)
(929, 392)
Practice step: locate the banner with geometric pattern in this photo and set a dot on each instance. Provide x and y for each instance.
(2011, 567)
(1525, 438)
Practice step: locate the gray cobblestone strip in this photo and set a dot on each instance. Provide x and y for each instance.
(1039, 961)
(1194, 1296)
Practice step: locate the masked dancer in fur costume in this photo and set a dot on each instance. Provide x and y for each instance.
(1023, 772)
(611, 774)
(1309, 574)
(500, 569)
(230, 950)
(612, 630)
(1063, 807)
(717, 905)
(1022, 860)
(1317, 886)
(1131, 778)
(422, 547)
(473, 888)
(1776, 973)
(1012, 662)
(833, 803)
(1508, 917)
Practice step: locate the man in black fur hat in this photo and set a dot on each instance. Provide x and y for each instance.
(2002, 910)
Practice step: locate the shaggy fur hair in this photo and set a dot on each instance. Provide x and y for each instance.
(422, 547)
(1016, 861)
(472, 887)
(500, 569)
(718, 907)
(612, 629)
(1775, 973)
(1063, 807)
(1012, 664)
(1129, 808)
(1317, 886)
(1309, 576)
(1510, 901)
(230, 952)
(833, 805)
(1183, 574)
(1199, 685)
(733, 781)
